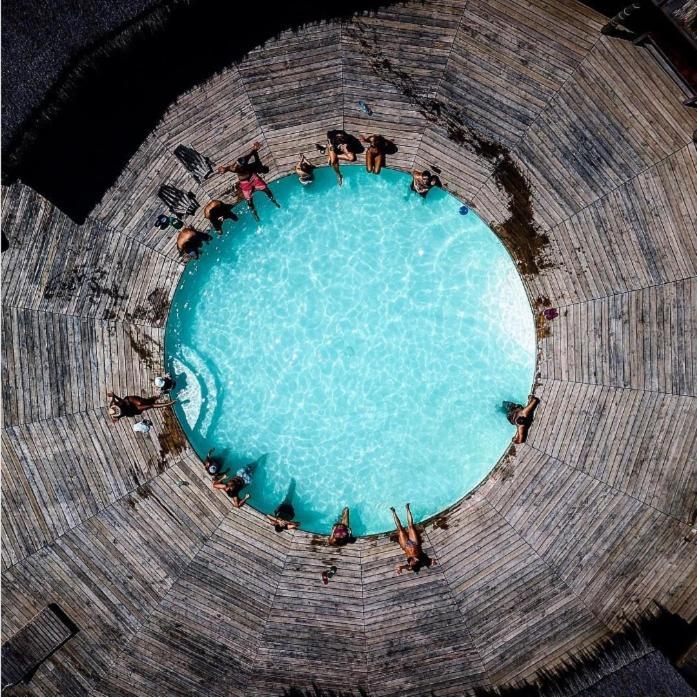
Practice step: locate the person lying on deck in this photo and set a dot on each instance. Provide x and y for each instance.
(338, 148)
(375, 153)
(282, 518)
(217, 213)
(410, 542)
(341, 532)
(233, 485)
(423, 182)
(190, 241)
(521, 417)
(247, 169)
(132, 405)
(305, 171)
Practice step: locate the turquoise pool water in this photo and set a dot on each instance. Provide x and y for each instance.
(359, 341)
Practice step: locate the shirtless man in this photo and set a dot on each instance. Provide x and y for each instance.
(132, 405)
(190, 241)
(247, 170)
(217, 212)
(410, 542)
(521, 417)
(375, 153)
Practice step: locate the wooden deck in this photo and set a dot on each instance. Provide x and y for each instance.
(578, 151)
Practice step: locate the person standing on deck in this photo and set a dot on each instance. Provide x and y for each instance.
(410, 542)
(247, 169)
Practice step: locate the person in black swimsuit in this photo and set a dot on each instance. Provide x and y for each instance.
(521, 417)
(132, 405)
(282, 518)
(410, 542)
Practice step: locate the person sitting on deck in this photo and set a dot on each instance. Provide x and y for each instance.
(305, 171)
(190, 241)
(233, 485)
(213, 465)
(282, 518)
(340, 146)
(423, 182)
(375, 153)
(165, 383)
(247, 169)
(410, 542)
(132, 405)
(521, 417)
(341, 532)
(217, 213)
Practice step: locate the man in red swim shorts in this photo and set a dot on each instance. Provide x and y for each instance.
(247, 169)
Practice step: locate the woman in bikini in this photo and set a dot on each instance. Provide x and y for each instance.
(132, 405)
(336, 149)
(341, 532)
(375, 153)
(247, 169)
(305, 171)
(521, 417)
(410, 542)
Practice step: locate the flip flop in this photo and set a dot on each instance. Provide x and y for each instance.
(325, 578)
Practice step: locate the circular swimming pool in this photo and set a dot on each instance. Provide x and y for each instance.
(357, 343)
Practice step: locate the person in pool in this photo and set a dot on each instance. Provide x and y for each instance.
(282, 518)
(190, 241)
(521, 417)
(217, 213)
(247, 169)
(132, 405)
(213, 465)
(341, 532)
(423, 182)
(305, 171)
(375, 153)
(233, 485)
(410, 542)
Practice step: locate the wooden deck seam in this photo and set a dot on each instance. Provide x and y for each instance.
(610, 486)
(549, 103)
(461, 613)
(155, 606)
(627, 388)
(100, 511)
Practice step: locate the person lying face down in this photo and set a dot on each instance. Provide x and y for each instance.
(410, 542)
(132, 405)
(233, 485)
(521, 417)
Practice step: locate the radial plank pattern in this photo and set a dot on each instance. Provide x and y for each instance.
(576, 148)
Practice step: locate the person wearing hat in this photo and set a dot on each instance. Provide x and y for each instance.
(165, 383)
(132, 405)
